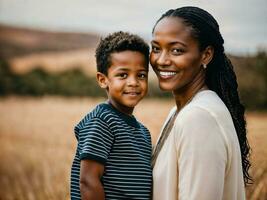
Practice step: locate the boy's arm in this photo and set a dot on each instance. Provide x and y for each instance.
(90, 180)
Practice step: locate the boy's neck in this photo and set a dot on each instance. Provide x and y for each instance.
(121, 108)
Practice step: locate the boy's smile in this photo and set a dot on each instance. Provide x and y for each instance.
(126, 82)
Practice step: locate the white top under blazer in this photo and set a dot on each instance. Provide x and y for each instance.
(200, 159)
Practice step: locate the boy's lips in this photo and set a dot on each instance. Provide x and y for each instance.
(132, 93)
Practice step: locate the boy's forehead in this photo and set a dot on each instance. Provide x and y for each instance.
(126, 54)
(129, 68)
(127, 58)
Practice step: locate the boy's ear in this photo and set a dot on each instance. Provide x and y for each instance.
(102, 80)
(207, 55)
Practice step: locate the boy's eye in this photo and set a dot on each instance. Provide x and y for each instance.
(122, 75)
(142, 75)
(155, 49)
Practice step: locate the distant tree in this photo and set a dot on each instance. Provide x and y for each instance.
(6, 79)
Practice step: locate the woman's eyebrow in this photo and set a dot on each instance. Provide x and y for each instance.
(154, 42)
(178, 42)
(170, 43)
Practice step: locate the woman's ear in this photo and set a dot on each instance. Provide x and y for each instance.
(207, 55)
(102, 80)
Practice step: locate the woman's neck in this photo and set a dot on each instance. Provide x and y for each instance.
(185, 94)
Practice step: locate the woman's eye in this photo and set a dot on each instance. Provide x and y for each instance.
(177, 51)
(155, 49)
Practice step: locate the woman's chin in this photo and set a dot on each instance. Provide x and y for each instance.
(165, 88)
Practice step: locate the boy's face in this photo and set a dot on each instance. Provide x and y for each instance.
(126, 80)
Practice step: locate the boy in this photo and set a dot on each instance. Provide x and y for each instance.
(113, 155)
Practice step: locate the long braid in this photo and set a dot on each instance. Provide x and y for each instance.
(220, 75)
(224, 83)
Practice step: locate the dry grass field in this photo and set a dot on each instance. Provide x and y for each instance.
(37, 144)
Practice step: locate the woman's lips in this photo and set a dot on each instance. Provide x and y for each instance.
(166, 74)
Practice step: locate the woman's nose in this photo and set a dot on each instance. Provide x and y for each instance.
(163, 59)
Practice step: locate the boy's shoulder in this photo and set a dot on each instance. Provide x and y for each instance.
(99, 112)
(142, 126)
(103, 111)
(110, 117)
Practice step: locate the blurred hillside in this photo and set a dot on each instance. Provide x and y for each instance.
(16, 41)
(25, 49)
(34, 62)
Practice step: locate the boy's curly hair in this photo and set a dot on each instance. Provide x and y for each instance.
(118, 42)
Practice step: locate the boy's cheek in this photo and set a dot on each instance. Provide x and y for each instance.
(145, 88)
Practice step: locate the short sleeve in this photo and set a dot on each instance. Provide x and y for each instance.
(202, 156)
(95, 140)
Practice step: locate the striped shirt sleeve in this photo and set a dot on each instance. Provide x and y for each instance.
(95, 140)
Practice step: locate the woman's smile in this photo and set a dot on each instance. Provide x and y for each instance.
(175, 55)
(166, 74)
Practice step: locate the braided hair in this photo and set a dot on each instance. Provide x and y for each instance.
(220, 75)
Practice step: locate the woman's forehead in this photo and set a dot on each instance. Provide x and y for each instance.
(172, 29)
(171, 25)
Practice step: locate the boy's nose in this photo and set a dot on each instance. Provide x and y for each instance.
(132, 81)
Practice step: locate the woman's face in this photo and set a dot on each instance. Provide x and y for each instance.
(175, 56)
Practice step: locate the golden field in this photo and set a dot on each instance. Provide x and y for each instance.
(37, 144)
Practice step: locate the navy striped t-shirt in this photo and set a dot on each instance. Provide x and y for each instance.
(122, 145)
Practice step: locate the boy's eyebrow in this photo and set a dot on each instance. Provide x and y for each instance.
(127, 69)
(122, 68)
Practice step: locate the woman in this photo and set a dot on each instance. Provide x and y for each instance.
(202, 152)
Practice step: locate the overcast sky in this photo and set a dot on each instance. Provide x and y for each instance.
(243, 23)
